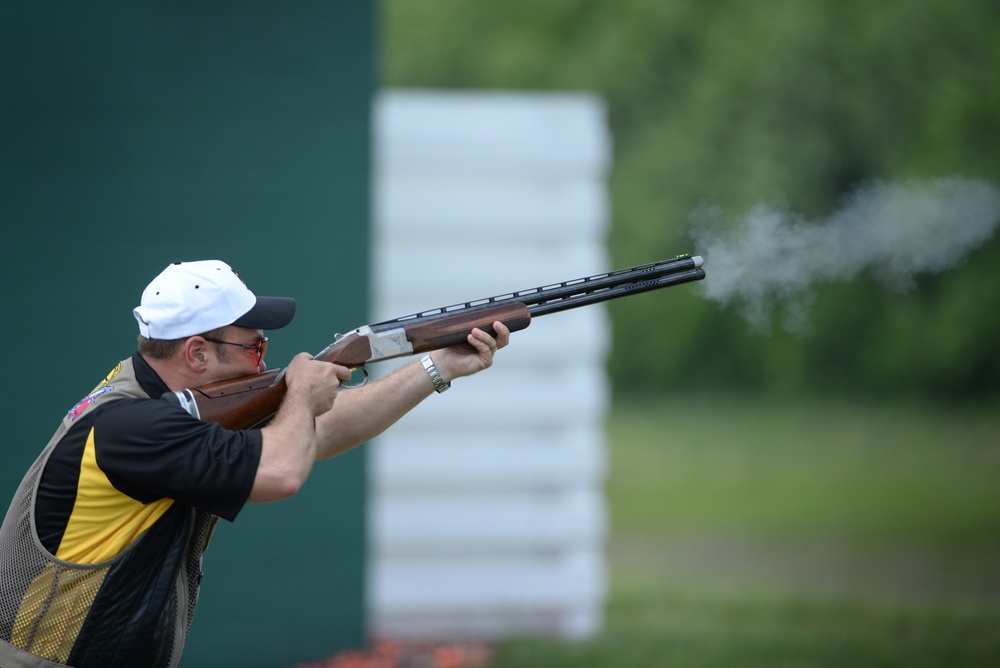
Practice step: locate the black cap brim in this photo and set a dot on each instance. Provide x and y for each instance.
(268, 313)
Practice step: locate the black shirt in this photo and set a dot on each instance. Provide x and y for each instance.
(133, 452)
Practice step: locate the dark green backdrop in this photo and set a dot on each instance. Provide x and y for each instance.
(136, 134)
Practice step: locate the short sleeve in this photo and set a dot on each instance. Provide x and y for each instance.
(151, 449)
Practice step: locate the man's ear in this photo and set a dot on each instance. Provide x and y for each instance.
(195, 353)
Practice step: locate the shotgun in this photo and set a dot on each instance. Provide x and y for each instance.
(245, 402)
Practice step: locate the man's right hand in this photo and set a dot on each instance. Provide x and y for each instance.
(316, 382)
(288, 447)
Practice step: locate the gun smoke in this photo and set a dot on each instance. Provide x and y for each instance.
(767, 261)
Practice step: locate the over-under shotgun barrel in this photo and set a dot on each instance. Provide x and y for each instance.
(574, 293)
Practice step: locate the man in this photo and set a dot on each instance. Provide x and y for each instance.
(100, 552)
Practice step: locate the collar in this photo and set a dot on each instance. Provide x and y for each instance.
(149, 380)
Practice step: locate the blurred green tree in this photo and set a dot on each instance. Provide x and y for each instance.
(732, 103)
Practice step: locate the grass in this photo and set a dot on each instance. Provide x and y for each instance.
(756, 532)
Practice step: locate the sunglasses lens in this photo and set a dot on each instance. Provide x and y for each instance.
(262, 350)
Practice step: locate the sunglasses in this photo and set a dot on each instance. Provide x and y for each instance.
(259, 347)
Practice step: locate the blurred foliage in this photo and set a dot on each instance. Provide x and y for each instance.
(732, 103)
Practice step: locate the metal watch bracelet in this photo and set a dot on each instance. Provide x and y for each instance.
(440, 385)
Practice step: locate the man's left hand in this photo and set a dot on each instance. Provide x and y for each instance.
(458, 361)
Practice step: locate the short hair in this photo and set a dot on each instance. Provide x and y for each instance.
(162, 349)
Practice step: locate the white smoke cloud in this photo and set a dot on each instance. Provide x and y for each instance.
(770, 258)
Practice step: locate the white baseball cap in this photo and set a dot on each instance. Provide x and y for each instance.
(189, 298)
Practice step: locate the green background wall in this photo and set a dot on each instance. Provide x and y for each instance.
(136, 134)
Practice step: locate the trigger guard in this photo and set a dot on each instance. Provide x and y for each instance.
(361, 383)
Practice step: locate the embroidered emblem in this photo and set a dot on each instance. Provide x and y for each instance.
(107, 379)
(74, 412)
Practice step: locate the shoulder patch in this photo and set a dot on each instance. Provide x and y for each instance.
(74, 412)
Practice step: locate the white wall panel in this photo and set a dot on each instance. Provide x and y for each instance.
(486, 508)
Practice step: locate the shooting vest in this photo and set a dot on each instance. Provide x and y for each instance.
(133, 610)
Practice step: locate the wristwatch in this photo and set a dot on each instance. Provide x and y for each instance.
(440, 385)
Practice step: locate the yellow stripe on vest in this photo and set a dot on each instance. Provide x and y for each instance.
(53, 610)
(104, 521)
